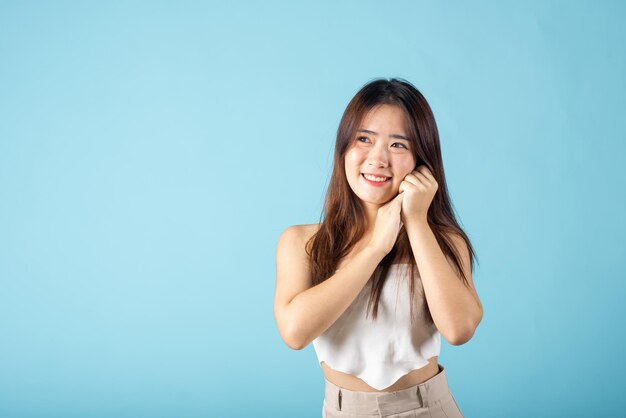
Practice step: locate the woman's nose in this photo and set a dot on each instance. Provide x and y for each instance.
(378, 157)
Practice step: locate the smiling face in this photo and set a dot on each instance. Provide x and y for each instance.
(381, 148)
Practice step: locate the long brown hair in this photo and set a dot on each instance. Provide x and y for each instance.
(343, 220)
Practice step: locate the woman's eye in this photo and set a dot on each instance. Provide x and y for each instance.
(364, 139)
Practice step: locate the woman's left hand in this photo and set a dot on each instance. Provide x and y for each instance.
(419, 188)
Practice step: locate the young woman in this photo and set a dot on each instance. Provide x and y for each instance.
(388, 269)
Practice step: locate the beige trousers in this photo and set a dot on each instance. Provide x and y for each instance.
(431, 399)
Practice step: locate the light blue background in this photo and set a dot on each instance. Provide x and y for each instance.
(151, 153)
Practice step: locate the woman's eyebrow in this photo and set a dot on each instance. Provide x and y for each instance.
(390, 136)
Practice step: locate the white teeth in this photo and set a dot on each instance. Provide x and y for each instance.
(372, 178)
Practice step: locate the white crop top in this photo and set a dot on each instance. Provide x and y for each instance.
(383, 350)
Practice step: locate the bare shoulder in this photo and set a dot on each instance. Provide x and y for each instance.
(298, 233)
(292, 261)
(291, 246)
(307, 229)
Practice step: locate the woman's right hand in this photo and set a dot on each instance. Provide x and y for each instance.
(388, 224)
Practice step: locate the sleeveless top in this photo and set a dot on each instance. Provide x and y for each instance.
(383, 350)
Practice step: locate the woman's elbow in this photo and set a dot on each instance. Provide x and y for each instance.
(291, 336)
(460, 338)
(463, 335)
(293, 341)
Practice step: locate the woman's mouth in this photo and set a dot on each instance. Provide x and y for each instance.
(375, 180)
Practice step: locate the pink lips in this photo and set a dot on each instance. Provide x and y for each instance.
(376, 183)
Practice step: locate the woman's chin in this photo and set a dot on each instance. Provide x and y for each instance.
(378, 200)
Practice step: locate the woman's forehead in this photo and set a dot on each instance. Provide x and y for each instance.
(384, 117)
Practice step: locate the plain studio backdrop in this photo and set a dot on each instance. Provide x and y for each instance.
(151, 153)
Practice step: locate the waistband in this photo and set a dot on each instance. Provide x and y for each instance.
(420, 395)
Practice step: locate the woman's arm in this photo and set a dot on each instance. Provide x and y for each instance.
(455, 308)
(303, 312)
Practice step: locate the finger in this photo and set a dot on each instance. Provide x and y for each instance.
(411, 178)
(426, 171)
(422, 178)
